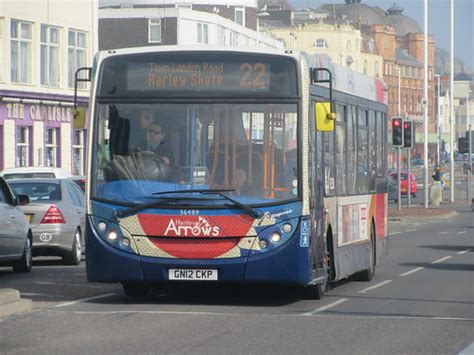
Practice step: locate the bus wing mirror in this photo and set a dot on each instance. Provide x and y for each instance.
(324, 118)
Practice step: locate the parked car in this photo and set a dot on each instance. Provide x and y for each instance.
(404, 184)
(15, 232)
(417, 162)
(56, 214)
(81, 181)
(34, 172)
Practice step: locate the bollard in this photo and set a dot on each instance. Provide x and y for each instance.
(435, 194)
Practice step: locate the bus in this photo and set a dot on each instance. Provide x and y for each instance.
(275, 169)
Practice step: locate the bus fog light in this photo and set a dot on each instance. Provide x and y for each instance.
(276, 237)
(112, 235)
(125, 242)
(286, 228)
(102, 226)
(262, 243)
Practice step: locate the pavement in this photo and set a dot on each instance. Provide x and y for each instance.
(445, 211)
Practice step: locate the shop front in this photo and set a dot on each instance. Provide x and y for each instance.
(39, 132)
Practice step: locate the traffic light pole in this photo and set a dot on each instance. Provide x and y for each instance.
(399, 193)
(408, 179)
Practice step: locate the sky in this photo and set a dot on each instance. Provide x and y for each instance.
(438, 21)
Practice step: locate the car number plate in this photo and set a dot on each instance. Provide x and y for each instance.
(29, 217)
(193, 274)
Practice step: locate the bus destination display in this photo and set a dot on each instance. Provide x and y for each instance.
(199, 76)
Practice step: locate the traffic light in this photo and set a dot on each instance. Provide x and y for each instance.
(397, 131)
(408, 136)
(463, 145)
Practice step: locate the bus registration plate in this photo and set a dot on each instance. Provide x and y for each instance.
(193, 274)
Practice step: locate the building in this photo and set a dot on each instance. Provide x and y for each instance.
(165, 22)
(41, 46)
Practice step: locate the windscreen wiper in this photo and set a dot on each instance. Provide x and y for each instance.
(135, 207)
(139, 207)
(250, 211)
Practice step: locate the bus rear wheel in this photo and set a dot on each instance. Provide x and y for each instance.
(366, 275)
(135, 290)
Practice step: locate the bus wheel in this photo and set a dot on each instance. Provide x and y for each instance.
(314, 292)
(366, 275)
(135, 290)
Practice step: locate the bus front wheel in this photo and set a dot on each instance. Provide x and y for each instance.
(135, 290)
(314, 292)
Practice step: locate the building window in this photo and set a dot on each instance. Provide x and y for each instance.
(20, 33)
(356, 45)
(154, 30)
(76, 56)
(22, 146)
(203, 33)
(239, 15)
(376, 69)
(78, 152)
(49, 56)
(184, 6)
(51, 147)
(220, 35)
(321, 43)
(349, 46)
(365, 66)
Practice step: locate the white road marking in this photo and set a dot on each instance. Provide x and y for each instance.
(445, 232)
(33, 294)
(65, 304)
(469, 350)
(441, 260)
(320, 315)
(45, 283)
(410, 230)
(412, 271)
(395, 233)
(462, 232)
(326, 307)
(463, 252)
(380, 284)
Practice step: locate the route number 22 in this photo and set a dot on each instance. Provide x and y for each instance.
(253, 76)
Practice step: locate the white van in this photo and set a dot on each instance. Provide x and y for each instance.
(34, 172)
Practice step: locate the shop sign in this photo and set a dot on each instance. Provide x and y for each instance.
(19, 111)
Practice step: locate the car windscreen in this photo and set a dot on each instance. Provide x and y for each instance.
(38, 191)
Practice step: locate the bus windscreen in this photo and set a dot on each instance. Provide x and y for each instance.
(175, 74)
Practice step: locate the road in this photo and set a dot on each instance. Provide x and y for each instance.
(420, 302)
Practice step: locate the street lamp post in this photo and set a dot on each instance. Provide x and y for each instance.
(451, 108)
(438, 134)
(425, 104)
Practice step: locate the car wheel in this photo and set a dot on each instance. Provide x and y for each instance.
(135, 290)
(26, 262)
(74, 256)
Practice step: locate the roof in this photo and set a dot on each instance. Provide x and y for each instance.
(58, 172)
(402, 56)
(463, 77)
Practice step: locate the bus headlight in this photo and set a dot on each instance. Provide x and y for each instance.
(113, 234)
(276, 237)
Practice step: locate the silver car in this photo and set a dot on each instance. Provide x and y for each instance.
(15, 232)
(56, 214)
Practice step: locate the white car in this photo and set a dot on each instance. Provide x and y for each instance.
(16, 237)
(34, 172)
